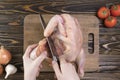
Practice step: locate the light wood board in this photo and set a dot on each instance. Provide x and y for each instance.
(33, 33)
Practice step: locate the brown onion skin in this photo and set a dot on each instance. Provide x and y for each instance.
(5, 56)
(1, 69)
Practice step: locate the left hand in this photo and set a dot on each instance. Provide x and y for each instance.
(32, 67)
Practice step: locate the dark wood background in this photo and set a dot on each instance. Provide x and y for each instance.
(13, 12)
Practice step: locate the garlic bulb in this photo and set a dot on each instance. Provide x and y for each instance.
(1, 69)
(10, 69)
(5, 55)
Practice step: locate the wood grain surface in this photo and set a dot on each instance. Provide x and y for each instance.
(51, 76)
(13, 12)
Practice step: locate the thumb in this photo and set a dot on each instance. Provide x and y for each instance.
(56, 69)
(39, 59)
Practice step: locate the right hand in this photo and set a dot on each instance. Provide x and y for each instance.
(66, 71)
(32, 67)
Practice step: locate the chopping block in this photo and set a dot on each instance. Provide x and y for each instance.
(33, 33)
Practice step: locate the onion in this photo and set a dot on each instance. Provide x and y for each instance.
(5, 55)
(1, 69)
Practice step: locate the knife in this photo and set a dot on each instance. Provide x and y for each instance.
(49, 41)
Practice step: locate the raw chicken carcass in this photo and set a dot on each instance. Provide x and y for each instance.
(67, 36)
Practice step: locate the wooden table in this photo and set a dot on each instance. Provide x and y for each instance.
(13, 12)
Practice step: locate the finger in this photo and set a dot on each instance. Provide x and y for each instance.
(29, 49)
(39, 59)
(52, 25)
(41, 47)
(56, 68)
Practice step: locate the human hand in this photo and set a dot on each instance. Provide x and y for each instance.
(66, 71)
(32, 67)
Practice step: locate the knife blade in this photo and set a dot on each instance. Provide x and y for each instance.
(49, 41)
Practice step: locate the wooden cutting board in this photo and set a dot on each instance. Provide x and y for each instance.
(33, 33)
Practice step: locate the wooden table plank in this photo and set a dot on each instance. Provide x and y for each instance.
(88, 76)
(46, 6)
